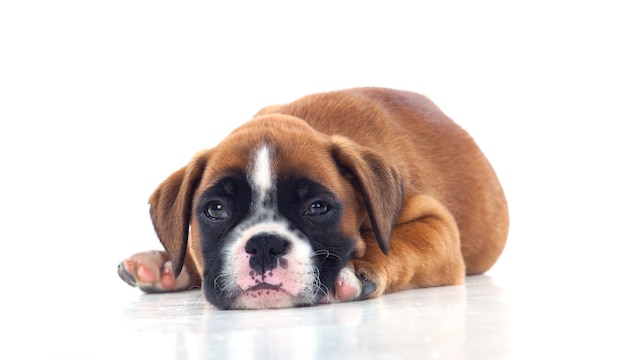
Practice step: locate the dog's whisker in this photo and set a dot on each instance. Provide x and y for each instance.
(326, 255)
(216, 285)
(198, 298)
(317, 287)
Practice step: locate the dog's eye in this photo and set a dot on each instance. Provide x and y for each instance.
(216, 211)
(317, 208)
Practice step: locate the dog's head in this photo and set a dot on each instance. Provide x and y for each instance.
(275, 211)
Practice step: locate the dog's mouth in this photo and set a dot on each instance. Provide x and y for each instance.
(266, 296)
(265, 286)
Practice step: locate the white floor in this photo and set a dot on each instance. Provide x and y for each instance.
(485, 319)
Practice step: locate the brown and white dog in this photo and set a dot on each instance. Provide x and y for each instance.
(337, 196)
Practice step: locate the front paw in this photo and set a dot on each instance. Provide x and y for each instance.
(352, 285)
(151, 271)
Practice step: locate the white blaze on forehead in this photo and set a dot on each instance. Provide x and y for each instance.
(262, 171)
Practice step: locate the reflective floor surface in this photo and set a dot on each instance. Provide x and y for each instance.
(481, 320)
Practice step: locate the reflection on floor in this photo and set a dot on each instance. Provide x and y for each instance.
(481, 320)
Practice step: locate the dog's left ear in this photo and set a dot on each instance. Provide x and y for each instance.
(170, 209)
(379, 183)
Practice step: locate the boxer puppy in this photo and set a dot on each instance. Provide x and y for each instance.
(338, 196)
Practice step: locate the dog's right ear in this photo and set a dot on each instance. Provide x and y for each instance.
(170, 208)
(379, 183)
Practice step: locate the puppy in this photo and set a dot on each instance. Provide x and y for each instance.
(337, 196)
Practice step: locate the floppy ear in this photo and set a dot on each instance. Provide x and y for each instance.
(379, 183)
(170, 209)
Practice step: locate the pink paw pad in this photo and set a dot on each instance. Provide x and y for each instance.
(347, 285)
(149, 271)
(345, 291)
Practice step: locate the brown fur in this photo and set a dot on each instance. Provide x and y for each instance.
(422, 203)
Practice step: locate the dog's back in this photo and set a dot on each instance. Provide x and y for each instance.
(434, 155)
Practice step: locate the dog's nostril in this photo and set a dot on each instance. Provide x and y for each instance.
(277, 250)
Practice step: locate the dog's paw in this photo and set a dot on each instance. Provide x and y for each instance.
(152, 272)
(352, 285)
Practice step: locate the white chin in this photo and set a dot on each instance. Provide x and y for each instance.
(264, 299)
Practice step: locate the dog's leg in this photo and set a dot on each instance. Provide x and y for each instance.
(425, 251)
(151, 272)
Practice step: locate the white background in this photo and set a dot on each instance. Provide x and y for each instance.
(100, 101)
